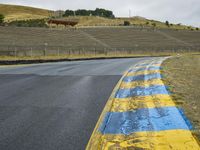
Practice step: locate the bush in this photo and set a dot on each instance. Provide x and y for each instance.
(29, 23)
(1, 18)
(127, 23)
(154, 24)
(197, 29)
(167, 23)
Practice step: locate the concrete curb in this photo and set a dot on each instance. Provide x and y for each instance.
(141, 114)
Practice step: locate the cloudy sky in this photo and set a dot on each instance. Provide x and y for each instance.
(176, 11)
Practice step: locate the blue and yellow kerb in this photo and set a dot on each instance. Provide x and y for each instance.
(140, 114)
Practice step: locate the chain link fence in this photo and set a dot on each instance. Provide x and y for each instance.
(32, 51)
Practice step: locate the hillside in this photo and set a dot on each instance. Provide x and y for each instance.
(14, 12)
(137, 21)
(120, 39)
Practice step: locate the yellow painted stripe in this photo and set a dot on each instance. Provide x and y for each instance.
(146, 64)
(143, 72)
(128, 85)
(162, 140)
(128, 104)
(93, 140)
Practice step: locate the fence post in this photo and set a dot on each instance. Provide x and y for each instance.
(31, 52)
(45, 51)
(95, 53)
(69, 51)
(105, 53)
(15, 52)
(83, 51)
(58, 52)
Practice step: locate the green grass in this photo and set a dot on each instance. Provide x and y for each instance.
(182, 76)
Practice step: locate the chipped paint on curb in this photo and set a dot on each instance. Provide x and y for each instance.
(140, 114)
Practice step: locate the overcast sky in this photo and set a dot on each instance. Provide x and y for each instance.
(176, 11)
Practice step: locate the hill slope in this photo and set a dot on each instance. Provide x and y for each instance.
(137, 21)
(15, 12)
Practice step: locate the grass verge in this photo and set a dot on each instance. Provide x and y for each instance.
(181, 74)
(39, 59)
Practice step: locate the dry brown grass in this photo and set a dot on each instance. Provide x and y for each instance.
(99, 21)
(13, 12)
(182, 76)
(87, 56)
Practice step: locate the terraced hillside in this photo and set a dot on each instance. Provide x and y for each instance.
(128, 40)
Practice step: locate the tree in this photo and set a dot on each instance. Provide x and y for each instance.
(126, 23)
(68, 13)
(1, 18)
(103, 13)
(97, 12)
(82, 12)
(154, 24)
(167, 23)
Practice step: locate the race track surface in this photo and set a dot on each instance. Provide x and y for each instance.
(55, 105)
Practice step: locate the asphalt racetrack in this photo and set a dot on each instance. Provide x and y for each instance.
(55, 105)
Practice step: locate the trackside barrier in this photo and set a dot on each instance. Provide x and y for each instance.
(41, 50)
(140, 114)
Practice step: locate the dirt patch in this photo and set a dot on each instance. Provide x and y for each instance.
(182, 75)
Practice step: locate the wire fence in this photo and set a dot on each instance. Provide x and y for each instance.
(31, 51)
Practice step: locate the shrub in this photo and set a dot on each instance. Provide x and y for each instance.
(1, 18)
(126, 23)
(154, 24)
(29, 23)
(167, 23)
(197, 29)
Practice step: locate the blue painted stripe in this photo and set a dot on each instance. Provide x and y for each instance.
(142, 77)
(147, 64)
(187, 121)
(153, 119)
(144, 68)
(142, 91)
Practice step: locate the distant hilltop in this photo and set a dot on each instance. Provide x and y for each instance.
(15, 12)
(97, 17)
